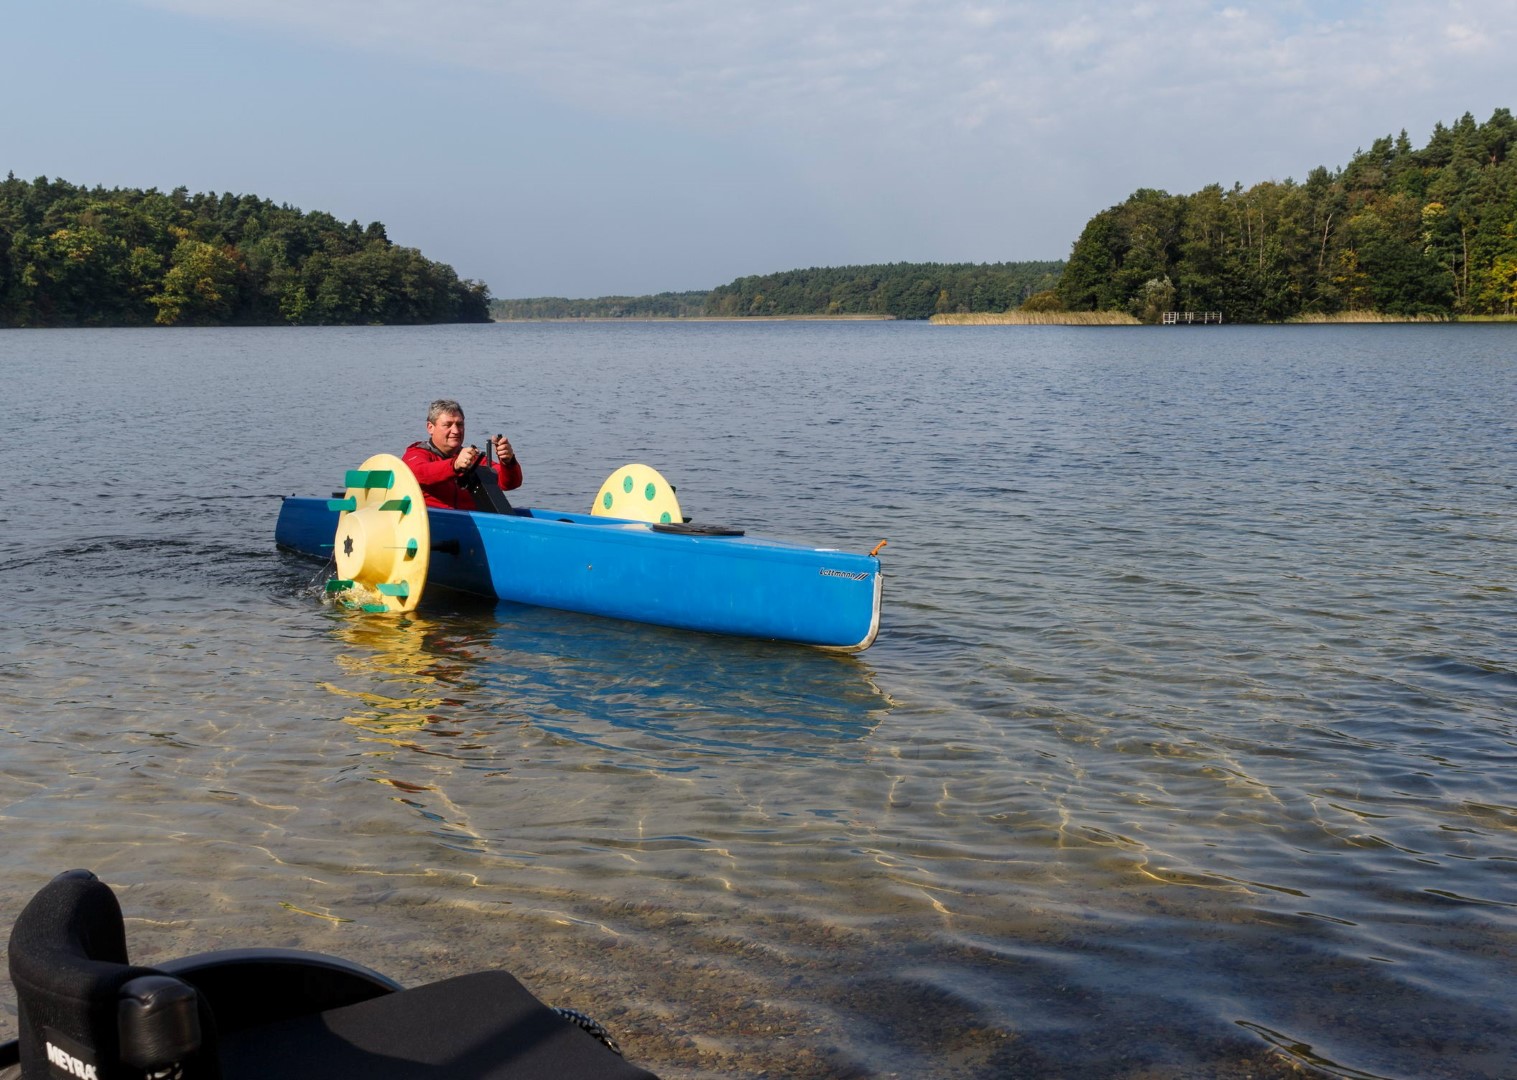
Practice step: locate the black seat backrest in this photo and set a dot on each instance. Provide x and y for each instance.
(85, 1012)
(68, 964)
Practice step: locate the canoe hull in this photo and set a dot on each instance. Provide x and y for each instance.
(739, 585)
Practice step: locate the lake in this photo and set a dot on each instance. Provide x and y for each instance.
(1187, 747)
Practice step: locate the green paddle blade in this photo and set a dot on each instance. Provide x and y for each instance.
(369, 478)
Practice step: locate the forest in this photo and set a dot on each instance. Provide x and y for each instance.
(76, 256)
(894, 290)
(667, 305)
(899, 290)
(1428, 232)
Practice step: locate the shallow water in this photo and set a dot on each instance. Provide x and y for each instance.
(1186, 748)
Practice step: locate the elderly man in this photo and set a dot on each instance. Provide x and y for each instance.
(443, 462)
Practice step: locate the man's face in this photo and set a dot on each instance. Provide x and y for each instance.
(446, 432)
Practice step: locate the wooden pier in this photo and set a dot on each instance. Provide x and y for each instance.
(1185, 318)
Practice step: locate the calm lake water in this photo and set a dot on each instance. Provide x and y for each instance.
(1188, 747)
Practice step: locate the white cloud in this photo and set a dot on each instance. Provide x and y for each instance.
(850, 65)
(886, 106)
(1464, 38)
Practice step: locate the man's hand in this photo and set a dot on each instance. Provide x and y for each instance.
(466, 459)
(503, 451)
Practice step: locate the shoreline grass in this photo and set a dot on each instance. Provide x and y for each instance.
(1027, 318)
(1038, 318)
(704, 318)
(1364, 317)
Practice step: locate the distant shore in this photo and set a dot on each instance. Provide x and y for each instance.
(1016, 318)
(1377, 317)
(1038, 318)
(711, 318)
(1119, 318)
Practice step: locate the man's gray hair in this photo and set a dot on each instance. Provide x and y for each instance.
(442, 406)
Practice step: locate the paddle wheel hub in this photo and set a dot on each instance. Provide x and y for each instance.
(383, 541)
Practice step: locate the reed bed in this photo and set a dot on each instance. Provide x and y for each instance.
(1038, 318)
(1364, 317)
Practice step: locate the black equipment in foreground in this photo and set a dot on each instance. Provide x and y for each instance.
(479, 481)
(240, 1014)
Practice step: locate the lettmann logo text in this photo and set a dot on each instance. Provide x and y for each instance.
(860, 576)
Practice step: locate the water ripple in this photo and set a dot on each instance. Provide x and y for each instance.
(1185, 748)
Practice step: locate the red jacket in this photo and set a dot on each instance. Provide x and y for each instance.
(439, 483)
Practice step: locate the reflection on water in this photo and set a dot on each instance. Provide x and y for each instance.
(461, 683)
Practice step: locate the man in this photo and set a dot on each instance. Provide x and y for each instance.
(442, 462)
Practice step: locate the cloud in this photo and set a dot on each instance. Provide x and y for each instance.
(910, 63)
(848, 73)
(961, 130)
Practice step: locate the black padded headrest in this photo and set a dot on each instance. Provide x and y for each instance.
(67, 962)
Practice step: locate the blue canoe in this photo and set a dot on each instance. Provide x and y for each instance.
(625, 569)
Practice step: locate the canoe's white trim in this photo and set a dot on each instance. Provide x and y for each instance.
(874, 622)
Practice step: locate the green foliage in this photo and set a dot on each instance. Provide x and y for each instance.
(1398, 231)
(72, 256)
(898, 290)
(1046, 300)
(667, 305)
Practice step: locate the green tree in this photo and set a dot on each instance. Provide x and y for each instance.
(1399, 230)
(1046, 300)
(200, 286)
(1502, 284)
(75, 256)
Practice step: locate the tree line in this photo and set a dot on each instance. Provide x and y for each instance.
(893, 290)
(76, 256)
(1398, 230)
(666, 305)
(899, 290)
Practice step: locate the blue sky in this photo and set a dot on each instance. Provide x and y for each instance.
(585, 147)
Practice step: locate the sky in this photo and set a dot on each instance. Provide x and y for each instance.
(588, 147)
